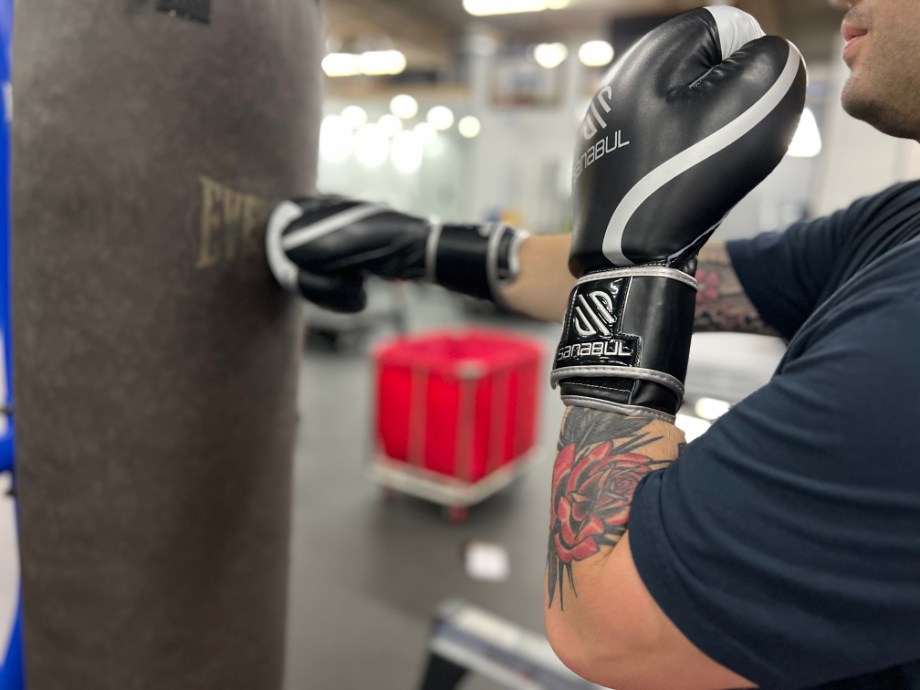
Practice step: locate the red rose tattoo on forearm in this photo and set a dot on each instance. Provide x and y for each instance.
(598, 467)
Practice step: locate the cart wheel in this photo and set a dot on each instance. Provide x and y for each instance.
(457, 514)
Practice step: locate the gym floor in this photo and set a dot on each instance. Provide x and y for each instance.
(367, 573)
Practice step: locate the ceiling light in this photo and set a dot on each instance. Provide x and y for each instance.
(406, 152)
(550, 55)
(469, 127)
(336, 139)
(481, 8)
(379, 62)
(404, 106)
(371, 146)
(355, 116)
(372, 63)
(341, 65)
(440, 117)
(426, 132)
(390, 124)
(595, 53)
(806, 143)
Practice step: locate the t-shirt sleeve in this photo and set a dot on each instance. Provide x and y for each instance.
(785, 273)
(784, 542)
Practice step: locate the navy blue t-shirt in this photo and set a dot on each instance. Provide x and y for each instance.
(785, 541)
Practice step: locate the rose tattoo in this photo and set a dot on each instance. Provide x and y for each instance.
(593, 487)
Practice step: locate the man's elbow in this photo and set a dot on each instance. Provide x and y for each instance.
(589, 653)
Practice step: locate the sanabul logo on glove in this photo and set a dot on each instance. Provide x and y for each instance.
(593, 333)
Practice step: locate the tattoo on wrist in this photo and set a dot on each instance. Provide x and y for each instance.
(600, 462)
(721, 304)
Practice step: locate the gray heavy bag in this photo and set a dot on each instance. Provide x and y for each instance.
(155, 359)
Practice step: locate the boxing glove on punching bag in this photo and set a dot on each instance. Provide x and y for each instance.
(155, 357)
(324, 247)
(691, 119)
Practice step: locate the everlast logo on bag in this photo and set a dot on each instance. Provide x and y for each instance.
(232, 224)
(593, 334)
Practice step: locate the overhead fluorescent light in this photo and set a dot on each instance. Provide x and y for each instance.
(336, 139)
(341, 65)
(595, 53)
(372, 63)
(372, 146)
(482, 8)
(378, 62)
(404, 106)
(470, 127)
(355, 116)
(406, 152)
(440, 117)
(550, 55)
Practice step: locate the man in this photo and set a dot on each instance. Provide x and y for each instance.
(781, 549)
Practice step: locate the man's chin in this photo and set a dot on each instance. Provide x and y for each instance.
(872, 112)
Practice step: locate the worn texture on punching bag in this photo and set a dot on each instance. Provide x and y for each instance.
(155, 361)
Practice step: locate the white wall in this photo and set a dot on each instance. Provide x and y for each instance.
(523, 159)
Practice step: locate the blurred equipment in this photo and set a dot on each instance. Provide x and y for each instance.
(465, 639)
(155, 359)
(455, 414)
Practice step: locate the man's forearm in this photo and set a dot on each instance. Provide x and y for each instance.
(541, 289)
(721, 303)
(600, 460)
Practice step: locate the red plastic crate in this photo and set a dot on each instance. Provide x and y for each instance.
(457, 403)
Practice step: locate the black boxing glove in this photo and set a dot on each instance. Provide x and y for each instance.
(324, 247)
(691, 119)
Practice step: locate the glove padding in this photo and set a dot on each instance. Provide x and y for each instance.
(325, 246)
(691, 119)
(688, 122)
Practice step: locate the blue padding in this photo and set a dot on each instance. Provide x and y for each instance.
(6, 452)
(12, 675)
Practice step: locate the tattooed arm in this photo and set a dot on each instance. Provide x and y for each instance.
(721, 304)
(599, 617)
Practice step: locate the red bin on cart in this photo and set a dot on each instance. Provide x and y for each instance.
(457, 404)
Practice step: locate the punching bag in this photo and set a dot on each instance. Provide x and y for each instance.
(155, 360)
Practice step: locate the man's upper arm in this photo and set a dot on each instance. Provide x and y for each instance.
(784, 274)
(783, 541)
(623, 639)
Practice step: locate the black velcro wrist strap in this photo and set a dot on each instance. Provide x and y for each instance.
(633, 323)
(475, 260)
